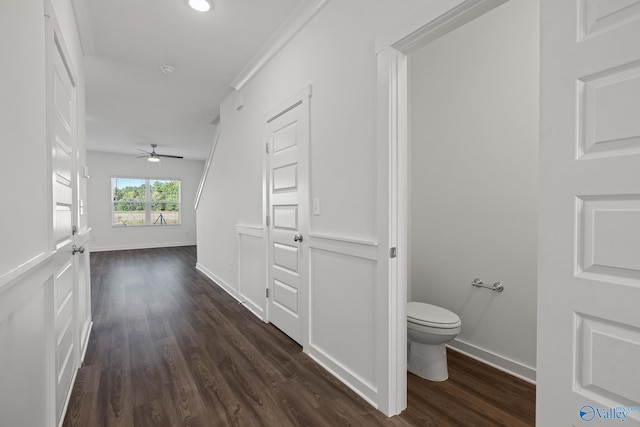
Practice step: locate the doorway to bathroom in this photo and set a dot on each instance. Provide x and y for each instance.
(464, 140)
(588, 196)
(473, 182)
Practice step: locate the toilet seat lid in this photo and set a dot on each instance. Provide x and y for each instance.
(431, 315)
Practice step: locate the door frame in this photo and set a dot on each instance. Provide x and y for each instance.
(393, 50)
(300, 98)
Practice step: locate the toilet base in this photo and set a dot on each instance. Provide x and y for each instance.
(428, 361)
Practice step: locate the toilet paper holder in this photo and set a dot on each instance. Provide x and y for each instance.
(478, 283)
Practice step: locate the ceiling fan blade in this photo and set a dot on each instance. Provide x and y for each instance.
(139, 157)
(168, 155)
(144, 151)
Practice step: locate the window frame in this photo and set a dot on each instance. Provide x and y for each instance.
(148, 202)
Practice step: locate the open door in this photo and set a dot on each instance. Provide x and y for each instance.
(589, 257)
(62, 135)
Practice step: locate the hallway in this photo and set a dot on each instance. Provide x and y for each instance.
(168, 348)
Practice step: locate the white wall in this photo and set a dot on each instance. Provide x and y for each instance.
(335, 54)
(104, 166)
(474, 176)
(23, 164)
(26, 270)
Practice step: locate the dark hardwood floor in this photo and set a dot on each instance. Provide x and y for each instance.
(169, 348)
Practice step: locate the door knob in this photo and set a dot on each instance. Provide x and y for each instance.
(297, 238)
(75, 249)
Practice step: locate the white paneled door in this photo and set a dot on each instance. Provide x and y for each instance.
(62, 123)
(287, 135)
(589, 275)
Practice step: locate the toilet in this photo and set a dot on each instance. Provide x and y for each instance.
(429, 328)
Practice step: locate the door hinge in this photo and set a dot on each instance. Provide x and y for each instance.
(74, 230)
(393, 252)
(266, 147)
(267, 292)
(267, 220)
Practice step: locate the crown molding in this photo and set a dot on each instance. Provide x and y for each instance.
(442, 17)
(300, 17)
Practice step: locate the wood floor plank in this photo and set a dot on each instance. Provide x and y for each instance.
(170, 348)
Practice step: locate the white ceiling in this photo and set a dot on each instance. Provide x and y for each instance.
(130, 103)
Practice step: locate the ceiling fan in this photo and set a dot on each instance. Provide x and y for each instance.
(154, 157)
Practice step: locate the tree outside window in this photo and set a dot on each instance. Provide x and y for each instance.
(145, 201)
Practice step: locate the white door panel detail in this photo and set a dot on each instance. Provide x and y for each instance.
(287, 132)
(589, 247)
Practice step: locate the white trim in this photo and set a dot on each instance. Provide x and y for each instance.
(216, 281)
(84, 235)
(392, 350)
(300, 17)
(418, 33)
(85, 345)
(343, 239)
(250, 230)
(22, 286)
(256, 232)
(504, 364)
(207, 165)
(393, 167)
(141, 246)
(414, 23)
(67, 399)
(366, 250)
(363, 389)
(293, 100)
(17, 274)
(14, 296)
(219, 283)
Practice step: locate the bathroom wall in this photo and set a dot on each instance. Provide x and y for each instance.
(104, 166)
(474, 154)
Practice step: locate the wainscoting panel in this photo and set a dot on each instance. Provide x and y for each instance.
(26, 368)
(251, 269)
(342, 285)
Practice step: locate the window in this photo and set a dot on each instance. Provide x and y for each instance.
(140, 201)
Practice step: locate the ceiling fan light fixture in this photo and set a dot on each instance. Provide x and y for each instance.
(154, 157)
(200, 5)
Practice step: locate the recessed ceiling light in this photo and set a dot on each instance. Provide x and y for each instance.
(167, 69)
(200, 5)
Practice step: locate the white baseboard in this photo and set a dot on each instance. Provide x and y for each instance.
(139, 246)
(504, 364)
(67, 399)
(85, 345)
(218, 281)
(228, 289)
(366, 391)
